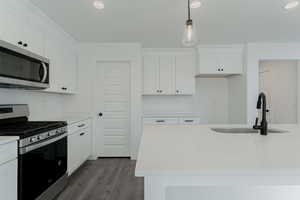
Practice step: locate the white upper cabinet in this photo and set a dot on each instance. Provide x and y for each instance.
(22, 28)
(185, 66)
(22, 25)
(220, 60)
(166, 74)
(169, 72)
(151, 74)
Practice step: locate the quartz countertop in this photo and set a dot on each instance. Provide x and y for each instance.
(197, 150)
(71, 118)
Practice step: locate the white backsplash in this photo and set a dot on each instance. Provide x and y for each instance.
(41, 105)
(210, 102)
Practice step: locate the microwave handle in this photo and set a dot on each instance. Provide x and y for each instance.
(45, 72)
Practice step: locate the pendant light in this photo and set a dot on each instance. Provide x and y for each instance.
(189, 36)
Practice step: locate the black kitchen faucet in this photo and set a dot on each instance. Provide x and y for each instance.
(263, 127)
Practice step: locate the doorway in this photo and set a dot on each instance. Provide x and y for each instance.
(112, 92)
(278, 79)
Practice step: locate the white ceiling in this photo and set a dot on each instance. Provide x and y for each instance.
(160, 23)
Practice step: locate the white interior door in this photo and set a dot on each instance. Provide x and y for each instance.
(112, 101)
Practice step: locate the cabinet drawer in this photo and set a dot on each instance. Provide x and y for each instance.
(8, 152)
(72, 128)
(189, 120)
(157, 121)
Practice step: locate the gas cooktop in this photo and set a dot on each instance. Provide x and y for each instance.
(29, 128)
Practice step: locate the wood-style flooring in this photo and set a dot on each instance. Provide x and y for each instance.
(105, 179)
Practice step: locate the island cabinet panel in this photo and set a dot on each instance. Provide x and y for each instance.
(169, 73)
(220, 61)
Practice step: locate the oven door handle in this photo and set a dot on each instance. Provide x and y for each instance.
(27, 149)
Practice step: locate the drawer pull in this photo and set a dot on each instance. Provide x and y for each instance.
(81, 125)
(160, 121)
(81, 134)
(189, 121)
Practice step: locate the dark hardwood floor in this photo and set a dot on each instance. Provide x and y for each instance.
(105, 179)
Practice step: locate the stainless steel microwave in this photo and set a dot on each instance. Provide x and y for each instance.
(20, 68)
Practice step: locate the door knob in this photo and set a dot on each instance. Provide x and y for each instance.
(100, 114)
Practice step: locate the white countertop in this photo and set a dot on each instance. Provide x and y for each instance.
(8, 139)
(197, 150)
(71, 118)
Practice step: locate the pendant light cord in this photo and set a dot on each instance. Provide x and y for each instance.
(189, 10)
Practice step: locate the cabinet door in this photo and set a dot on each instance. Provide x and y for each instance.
(52, 51)
(68, 72)
(167, 74)
(85, 141)
(8, 180)
(208, 61)
(35, 35)
(74, 152)
(12, 26)
(231, 61)
(185, 74)
(151, 74)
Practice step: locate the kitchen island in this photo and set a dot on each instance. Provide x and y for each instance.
(181, 157)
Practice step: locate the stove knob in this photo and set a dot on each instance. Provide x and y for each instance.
(33, 139)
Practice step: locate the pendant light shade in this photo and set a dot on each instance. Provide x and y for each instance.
(189, 35)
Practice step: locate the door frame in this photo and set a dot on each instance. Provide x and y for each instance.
(255, 52)
(95, 114)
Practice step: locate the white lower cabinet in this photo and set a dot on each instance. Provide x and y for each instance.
(79, 145)
(8, 180)
(8, 171)
(171, 120)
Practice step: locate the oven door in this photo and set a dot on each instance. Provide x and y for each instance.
(40, 166)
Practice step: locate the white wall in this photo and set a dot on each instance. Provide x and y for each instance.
(89, 55)
(257, 52)
(210, 102)
(42, 106)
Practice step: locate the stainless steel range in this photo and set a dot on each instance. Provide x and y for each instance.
(42, 159)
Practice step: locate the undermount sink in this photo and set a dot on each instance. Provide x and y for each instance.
(244, 130)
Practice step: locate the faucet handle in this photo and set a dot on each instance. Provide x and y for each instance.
(256, 121)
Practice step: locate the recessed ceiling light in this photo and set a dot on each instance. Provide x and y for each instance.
(196, 4)
(291, 4)
(98, 4)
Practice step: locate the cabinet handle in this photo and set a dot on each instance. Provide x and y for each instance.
(157, 91)
(81, 134)
(160, 121)
(177, 91)
(25, 45)
(219, 69)
(189, 121)
(20, 43)
(64, 88)
(161, 91)
(81, 125)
